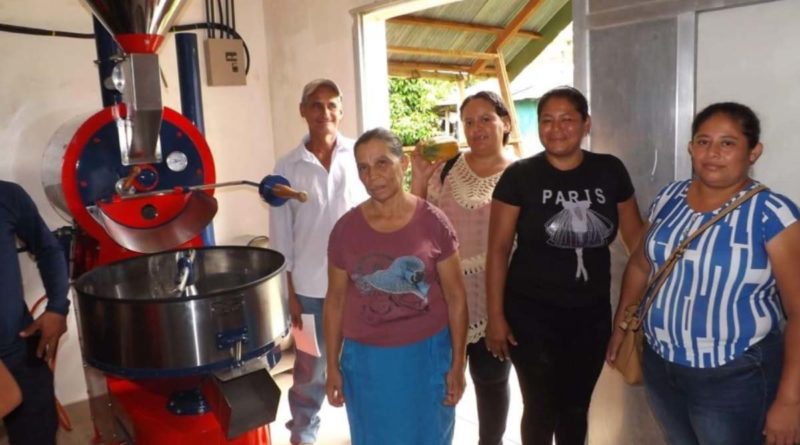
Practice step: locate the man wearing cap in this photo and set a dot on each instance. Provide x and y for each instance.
(323, 164)
(26, 345)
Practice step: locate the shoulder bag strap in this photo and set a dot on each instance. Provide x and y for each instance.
(447, 167)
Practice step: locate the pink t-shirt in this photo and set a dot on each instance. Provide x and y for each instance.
(394, 296)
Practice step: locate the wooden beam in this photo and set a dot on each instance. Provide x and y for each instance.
(516, 23)
(505, 91)
(452, 77)
(421, 66)
(414, 51)
(532, 49)
(441, 67)
(511, 29)
(457, 26)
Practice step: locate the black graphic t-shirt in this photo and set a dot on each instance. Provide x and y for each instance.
(567, 220)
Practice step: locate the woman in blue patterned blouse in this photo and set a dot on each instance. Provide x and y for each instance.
(722, 350)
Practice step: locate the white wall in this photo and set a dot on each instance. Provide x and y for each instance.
(45, 81)
(308, 39)
(760, 68)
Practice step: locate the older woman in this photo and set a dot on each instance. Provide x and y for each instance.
(463, 188)
(549, 309)
(717, 367)
(395, 309)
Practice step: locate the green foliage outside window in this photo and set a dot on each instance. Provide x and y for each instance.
(411, 110)
(411, 104)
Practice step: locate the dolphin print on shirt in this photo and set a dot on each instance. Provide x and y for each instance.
(397, 290)
(405, 275)
(576, 227)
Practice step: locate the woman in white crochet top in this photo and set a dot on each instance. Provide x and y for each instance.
(462, 188)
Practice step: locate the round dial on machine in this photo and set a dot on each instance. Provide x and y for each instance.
(177, 161)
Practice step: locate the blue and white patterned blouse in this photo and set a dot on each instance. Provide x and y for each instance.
(721, 297)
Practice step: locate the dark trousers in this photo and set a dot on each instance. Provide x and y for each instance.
(490, 378)
(558, 360)
(35, 421)
(723, 405)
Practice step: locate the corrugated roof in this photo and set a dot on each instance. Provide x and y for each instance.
(497, 13)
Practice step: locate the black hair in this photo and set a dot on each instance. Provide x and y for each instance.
(742, 114)
(496, 101)
(572, 95)
(384, 135)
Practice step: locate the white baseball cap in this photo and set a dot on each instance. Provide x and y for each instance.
(312, 86)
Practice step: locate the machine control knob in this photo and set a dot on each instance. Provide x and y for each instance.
(276, 190)
(149, 212)
(117, 78)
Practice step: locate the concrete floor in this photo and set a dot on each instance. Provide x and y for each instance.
(333, 429)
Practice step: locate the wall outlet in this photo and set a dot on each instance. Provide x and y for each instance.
(225, 62)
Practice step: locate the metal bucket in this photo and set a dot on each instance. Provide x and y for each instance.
(135, 323)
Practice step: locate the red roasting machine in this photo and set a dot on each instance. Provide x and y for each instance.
(177, 335)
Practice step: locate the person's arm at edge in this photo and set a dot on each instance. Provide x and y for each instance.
(332, 313)
(295, 308)
(783, 418)
(52, 265)
(502, 228)
(455, 295)
(10, 395)
(630, 223)
(634, 281)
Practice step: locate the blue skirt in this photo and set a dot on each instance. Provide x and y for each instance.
(394, 395)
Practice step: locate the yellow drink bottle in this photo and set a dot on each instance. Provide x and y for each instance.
(439, 148)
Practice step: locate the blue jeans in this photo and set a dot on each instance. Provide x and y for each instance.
(490, 378)
(709, 406)
(308, 387)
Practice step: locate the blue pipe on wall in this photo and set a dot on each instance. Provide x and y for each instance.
(107, 48)
(189, 78)
(192, 95)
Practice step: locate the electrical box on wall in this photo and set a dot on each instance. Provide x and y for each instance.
(225, 62)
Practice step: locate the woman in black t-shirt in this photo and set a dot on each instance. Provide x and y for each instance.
(549, 308)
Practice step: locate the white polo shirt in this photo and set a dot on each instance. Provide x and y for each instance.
(300, 231)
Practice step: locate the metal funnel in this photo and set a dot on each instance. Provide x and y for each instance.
(137, 25)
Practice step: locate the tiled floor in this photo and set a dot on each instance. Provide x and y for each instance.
(333, 430)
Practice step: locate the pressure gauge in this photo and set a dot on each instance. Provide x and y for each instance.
(177, 161)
